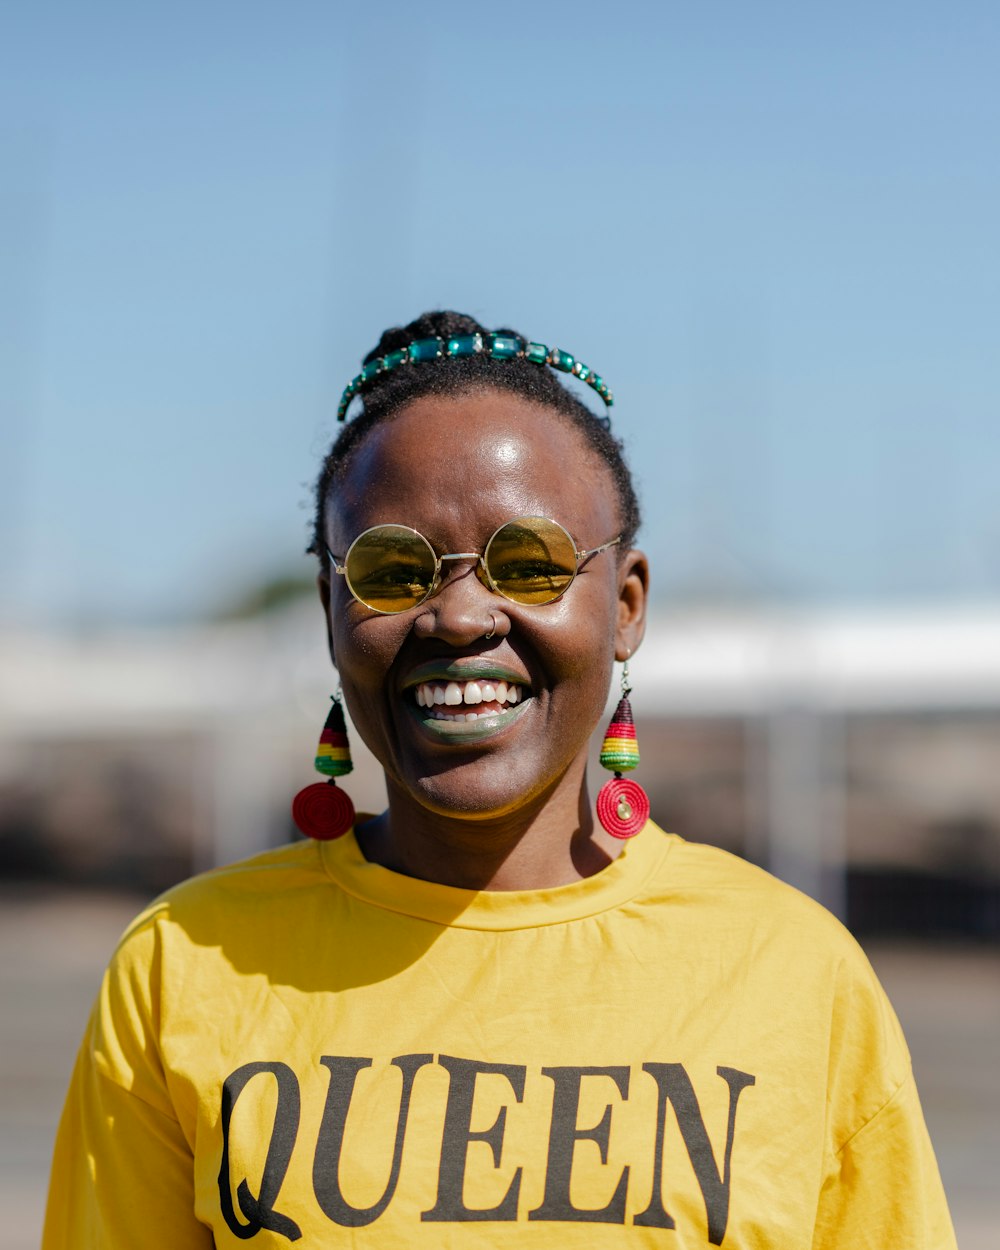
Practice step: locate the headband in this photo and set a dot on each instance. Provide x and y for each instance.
(498, 346)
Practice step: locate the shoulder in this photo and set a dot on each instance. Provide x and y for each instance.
(194, 940)
(723, 888)
(213, 901)
(799, 966)
(784, 943)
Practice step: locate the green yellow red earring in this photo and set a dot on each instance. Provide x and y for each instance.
(622, 804)
(322, 810)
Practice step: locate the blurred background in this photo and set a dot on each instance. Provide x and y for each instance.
(772, 228)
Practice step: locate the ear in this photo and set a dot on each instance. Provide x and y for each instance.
(323, 586)
(633, 595)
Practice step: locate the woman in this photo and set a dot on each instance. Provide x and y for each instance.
(483, 1017)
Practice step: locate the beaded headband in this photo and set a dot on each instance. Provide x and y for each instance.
(498, 346)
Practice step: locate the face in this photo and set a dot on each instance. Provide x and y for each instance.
(456, 468)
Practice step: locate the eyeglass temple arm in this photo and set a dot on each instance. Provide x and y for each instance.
(585, 555)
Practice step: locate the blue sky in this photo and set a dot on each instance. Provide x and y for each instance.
(771, 227)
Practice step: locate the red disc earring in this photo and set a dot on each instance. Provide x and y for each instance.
(322, 810)
(622, 804)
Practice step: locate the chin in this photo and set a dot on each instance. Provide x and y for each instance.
(454, 793)
(445, 800)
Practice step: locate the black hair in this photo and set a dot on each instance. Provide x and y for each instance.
(390, 391)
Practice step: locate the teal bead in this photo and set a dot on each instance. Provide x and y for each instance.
(500, 346)
(350, 390)
(426, 349)
(537, 353)
(465, 345)
(503, 346)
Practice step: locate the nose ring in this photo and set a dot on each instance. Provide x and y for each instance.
(493, 626)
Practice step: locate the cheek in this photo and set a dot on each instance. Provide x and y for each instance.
(364, 651)
(365, 646)
(583, 631)
(370, 650)
(579, 661)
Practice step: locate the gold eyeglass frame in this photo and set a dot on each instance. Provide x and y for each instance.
(339, 564)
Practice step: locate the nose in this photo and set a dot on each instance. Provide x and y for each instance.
(462, 610)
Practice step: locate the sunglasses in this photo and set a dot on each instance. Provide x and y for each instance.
(531, 560)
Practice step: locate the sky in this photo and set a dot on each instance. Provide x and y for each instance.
(771, 227)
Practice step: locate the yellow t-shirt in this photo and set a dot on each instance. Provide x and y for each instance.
(677, 1052)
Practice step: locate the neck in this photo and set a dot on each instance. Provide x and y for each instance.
(552, 840)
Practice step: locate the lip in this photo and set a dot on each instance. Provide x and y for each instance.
(467, 669)
(469, 731)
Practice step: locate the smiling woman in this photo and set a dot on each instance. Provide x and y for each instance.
(566, 600)
(491, 1014)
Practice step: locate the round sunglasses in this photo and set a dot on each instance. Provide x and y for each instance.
(530, 560)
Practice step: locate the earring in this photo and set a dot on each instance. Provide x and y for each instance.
(622, 804)
(322, 810)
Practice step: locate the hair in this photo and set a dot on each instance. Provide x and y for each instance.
(388, 392)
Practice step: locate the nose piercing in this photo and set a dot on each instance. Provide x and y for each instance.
(493, 626)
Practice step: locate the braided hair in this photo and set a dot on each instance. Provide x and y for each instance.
(389, 392)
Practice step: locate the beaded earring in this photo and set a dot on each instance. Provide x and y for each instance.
(622, 804)
(322, 810)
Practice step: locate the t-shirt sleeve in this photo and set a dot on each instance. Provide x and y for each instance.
(123, 1172)
(880, 1183)
(882, 1187)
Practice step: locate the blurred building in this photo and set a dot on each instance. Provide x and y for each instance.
(856, 754)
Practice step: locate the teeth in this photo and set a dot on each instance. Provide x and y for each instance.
(468, 694)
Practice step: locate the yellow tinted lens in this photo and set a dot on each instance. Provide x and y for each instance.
(390, 568)
(531, 560)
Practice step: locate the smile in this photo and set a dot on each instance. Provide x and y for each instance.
(453, 700)
(470, 700)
